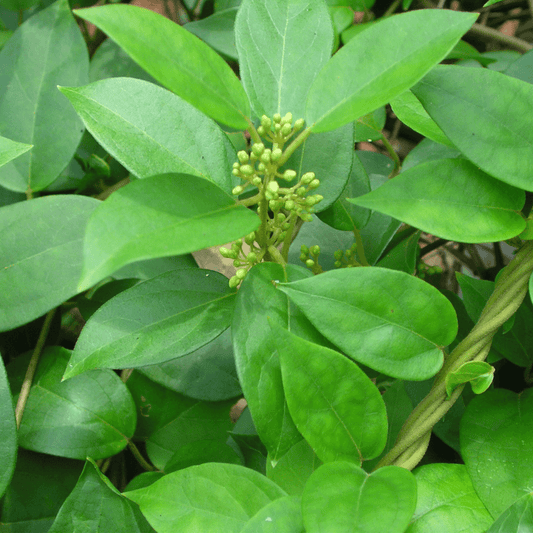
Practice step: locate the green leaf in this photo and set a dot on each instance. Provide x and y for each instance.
(341, 496)
(496, 442)
(447, 501)
(282, 45)
(356, 80)
(411, 112)
(479, 373)
(368, 127)
(8, 432)
(517, 517)
(91, 415)
(428, 150)
(283, 515)
(333, 403)
(435, 195)
(155, 321)
(478, 109)
(10, 150)
(99, 506)
(209, 497)
(175, 58)
(124, 112)
(390, 321)
(46, 50)
(37, 236)
(404, 255)
(164, 215)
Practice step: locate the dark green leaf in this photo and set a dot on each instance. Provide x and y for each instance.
(10, 150)
(8, 432)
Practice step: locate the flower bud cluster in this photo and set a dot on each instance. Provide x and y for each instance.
(424, 270)
(346, 258)
(242, 260)
(309, 256)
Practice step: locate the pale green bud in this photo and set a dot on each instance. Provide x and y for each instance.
(337, 264)
(258, 149)
(289, 175)
(299, 124)
(303, 258)
(237, 263)
(273, 187)
(289, 205)
(306, 217)
(301, 192)
(307, 178)
(277, 128)
(315, 250)
(314, 184)
(280, 218)
(286, 130)
(338, 255)
(318, 198)
(236, 246)
(242, 156)
(250, 238)
(276, 154)
(282, 235)
(251, 257)
(275, 205)
(309, 263)
(261, 131)
(247, 170)
(265, 122)
(285, 226)
(310, 201)
(233, 282)
(237, 190)
(287, 119)
(236, 172)
(236, 165)
(265, 156)
(304, 249)
(241, 273)
(257, 180)
(225, 252)
(277, 118)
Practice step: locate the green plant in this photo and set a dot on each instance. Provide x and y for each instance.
(347, 372)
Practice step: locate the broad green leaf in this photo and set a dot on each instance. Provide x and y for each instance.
(8, 432)
(209, 497)
(96, 505)
(207, 373)
(478, 373)
(175, 58)
(428, 150)
(411, 112)
(283, 515)
(37, 237)
(496, 443)
(91, 415)
(453, 199)
(404, 255)
(368, 127)
(447, 501)
(10, 150)
(522, 68)
(390, 321)
(164, 215)
(151, 268)
(122, 113)
(155, 321)
(478, 109)
(39, 486)
(333, 403)
(341, 496)
(356, 81)
(282, 45)
(18, 5)
(46, 50)
(518, 517)
(292, 471)
(203, 451)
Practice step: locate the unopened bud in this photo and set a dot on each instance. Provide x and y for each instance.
(266, 122)
(315, 250)
(234, 281)
(299, 124)
(307, 178)
(251, 257)
(286, 130)
(257, 180)
(309, 263)
(241, 273)
(287, 119)
(273, 187)
(277, 118)
(247, 170)
(250, 238)
(237, 190)
(289, 175)
(243, 156)
(314, 184)
(289, 205)
(265, 156)
(276, 154)
(258, 149)
(304, 249)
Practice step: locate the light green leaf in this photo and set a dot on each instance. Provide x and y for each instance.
(46, 50)
(341, 496)
(453, 199)
(333, 403)
(123, 112)
(91, 415)
(390, 321)
(208, 497)
(10, 150)
(8, 432)
(518, 517)
(175, 58)
(496, 442)
(356, 80)
(164, 215)
(479, 373)
(155, 321)
(283, 515)
(37, 236)
(282, 45)
(478, 108)
(447, 501)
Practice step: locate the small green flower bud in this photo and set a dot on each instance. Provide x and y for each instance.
(233, 282)
(237, 263)
(304, 249)
(273, 187)
(337, 264)
(318, 198)
(301, 192)
(280, 218)
(282, 235)
(310, 201)
(285, 226)
(265, 156)
(314, 184)
(242, 156)
(276, 154)
(257, 180)
(274, 205)
(236, 165)
(303, 258)
(261, 131)
(237, 190)
(258, 149)
(307, 178)
(251, 257)
(315, 250)
(299, 124)
(241, 273)
(286, 130)
(225, 252)
(306, 217)
(287, 119)
(289, 175)
(236, 246)
(277, 118)
(277, 128)
(247, 170)
(309, 263)
(250, 238)
(236, 172)
(289, 205)
(338, 255)
(265, 122)
(349, 254)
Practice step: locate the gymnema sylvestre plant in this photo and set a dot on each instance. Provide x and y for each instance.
(348, 361)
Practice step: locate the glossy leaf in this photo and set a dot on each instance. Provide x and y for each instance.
(447, 501)
(165, 215)
(478, 373)
(433, 196)
(333, 403)
(37, 236)
(47, 50)
(155, 321)
(342, 497)
(390, 321)
(175, 58)
(428, 150)
(496, 441)
(411, 112)
(209, 497)
(478, 108)
(91, 415)
(404, 255)
(356, 81)
(99, 506)
(10, 150)
(124, 112)
(283, 515)
(282, 45)
(8, 432)
(518, 517)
